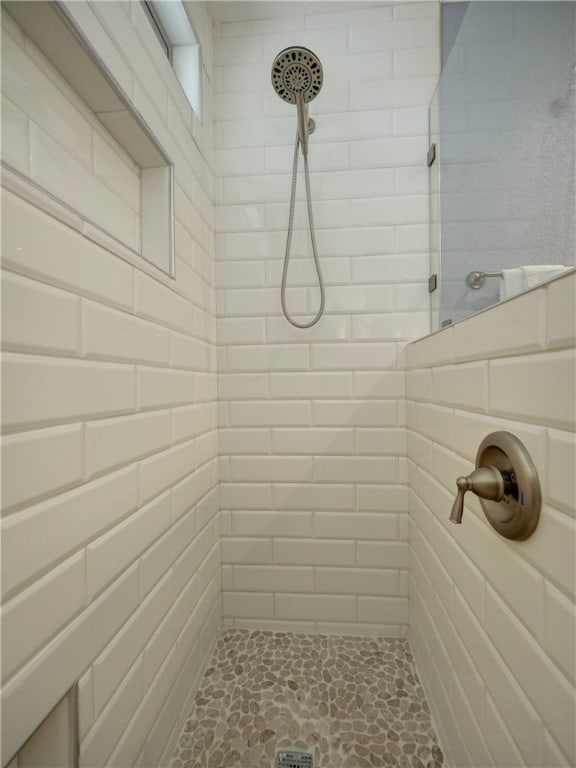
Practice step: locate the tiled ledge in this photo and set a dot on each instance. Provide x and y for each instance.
(543, 318)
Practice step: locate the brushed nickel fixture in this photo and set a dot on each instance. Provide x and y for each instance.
(297, 77)
(477, 278)
(506, 482)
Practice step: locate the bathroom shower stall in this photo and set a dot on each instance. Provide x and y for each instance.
(232, 428)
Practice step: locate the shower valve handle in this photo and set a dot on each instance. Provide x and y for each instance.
(506, 482)
(486, 482)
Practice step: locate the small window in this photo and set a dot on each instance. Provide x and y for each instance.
(158, 28)
(176, 35)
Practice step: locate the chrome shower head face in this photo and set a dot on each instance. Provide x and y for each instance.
(297, 72)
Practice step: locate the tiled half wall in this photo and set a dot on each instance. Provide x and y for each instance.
(492, 620)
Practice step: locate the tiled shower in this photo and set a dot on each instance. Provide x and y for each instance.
(185, 474)
(312, 422)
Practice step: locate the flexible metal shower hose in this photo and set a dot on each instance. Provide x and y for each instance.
(312, 238)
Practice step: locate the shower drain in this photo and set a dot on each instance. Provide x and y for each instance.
(288, 758)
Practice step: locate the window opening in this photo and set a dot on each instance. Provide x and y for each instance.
(163, 38)
(179, 41)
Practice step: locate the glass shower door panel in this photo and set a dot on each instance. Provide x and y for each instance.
(507, 107)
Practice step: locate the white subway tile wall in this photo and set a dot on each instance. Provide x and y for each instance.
(492, 621)
(111, 566)
(312, 441)
(337, 472)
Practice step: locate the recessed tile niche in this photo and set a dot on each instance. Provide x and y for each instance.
(90, 155)
(54, 744)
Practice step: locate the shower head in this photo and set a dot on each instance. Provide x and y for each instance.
(296, 70)
(297, 78)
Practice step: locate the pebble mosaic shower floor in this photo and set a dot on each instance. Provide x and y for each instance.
(353, 702)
